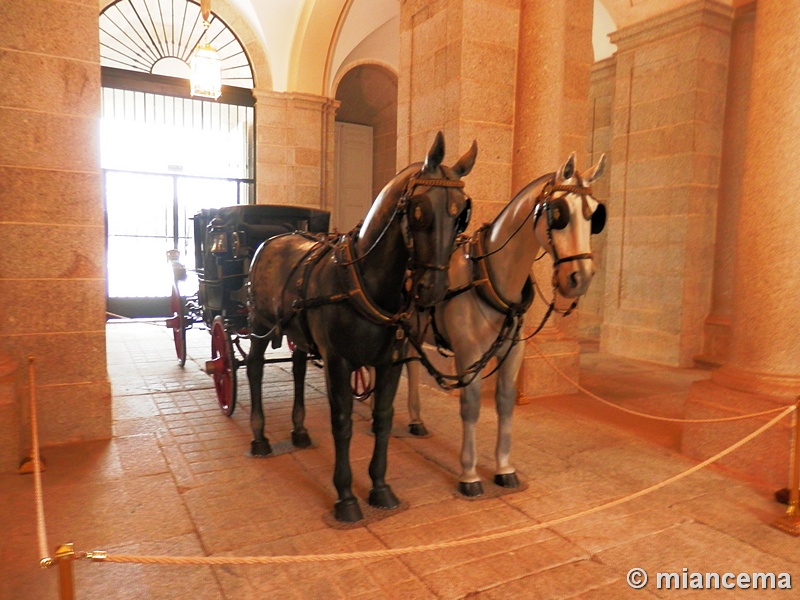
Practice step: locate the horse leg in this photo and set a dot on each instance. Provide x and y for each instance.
(415, 424)
(340, 398)
(387, 377)
(505, 398)
(255, 376)
(300, 437)
(469, 482)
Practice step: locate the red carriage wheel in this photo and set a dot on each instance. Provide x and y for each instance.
(178, 324)
(221, 367)
(361, 382)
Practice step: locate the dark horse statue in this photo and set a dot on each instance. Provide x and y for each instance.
(344, 299)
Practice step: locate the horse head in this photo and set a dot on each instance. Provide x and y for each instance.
(437, 210)
(566, 217)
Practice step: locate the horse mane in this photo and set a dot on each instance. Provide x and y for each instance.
(524, 192)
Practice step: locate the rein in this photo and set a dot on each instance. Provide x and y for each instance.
(514, 311)
(345, 257)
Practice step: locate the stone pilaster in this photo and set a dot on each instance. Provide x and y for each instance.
(457, 71)
(601, 130)
(669, 102)
(551, 120)
(294, 149)
(717, 329)
(762, 370)
(52, 271)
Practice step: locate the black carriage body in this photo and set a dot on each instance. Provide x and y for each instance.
(226, 240)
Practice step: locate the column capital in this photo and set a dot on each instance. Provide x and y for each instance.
(700, 13)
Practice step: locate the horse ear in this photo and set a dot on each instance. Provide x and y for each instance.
(567, 170)
(435, 154)
(596, 171)
(464, 164)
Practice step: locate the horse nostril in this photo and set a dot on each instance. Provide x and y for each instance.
(573, 279)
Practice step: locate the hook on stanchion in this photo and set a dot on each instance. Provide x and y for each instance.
(790, 522)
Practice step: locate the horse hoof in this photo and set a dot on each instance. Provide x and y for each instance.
(301, 439)
(260, 448)
(347, 511)
(470, 489)
(417, 429)
(506, 480)
(383, 497)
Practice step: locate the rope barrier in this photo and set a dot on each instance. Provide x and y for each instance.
(646, 415)
(102, 556)
(41, 528)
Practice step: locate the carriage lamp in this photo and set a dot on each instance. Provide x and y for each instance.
(219, 242)
(206, 76)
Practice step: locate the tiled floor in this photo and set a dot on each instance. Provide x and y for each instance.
(175, 481)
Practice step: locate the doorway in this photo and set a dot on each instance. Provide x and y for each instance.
(163, 159)
(368, 97)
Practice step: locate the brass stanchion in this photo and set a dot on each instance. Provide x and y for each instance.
(790, 522)
(65, 556)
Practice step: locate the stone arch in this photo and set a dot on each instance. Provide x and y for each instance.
(367, 93)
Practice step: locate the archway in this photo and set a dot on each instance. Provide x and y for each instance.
(164, 154)
(368, 97)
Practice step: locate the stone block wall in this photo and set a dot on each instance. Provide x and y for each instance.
(294, 158)
(669, 101)
(52, 267)
(457, 73)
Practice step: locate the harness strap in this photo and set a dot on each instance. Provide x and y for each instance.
(414, 182)
(482, 279)
(343, 255)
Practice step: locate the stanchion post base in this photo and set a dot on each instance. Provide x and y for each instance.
(28, 465)
(790, 522)
(790, 525)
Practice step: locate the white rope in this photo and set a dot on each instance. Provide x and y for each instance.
(41, 528)
(101, 556)
(646, 415)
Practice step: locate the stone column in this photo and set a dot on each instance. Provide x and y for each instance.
(717, 330)
(294, 149)
(551, 120)
(52, 265)
(669, 104)
(763, 370)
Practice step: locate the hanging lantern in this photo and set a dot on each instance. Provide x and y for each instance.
(206, 77)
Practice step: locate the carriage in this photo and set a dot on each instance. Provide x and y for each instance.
(225, 241)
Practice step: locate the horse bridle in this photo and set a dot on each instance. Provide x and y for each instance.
(558, 218)
(345, 257)
(415, 215)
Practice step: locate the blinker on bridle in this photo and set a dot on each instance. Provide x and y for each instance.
(404, 208)
(556, 211)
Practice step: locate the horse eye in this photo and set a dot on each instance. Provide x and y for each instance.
(463, 219)
(421, 213)
(558, 214)
(599, 219)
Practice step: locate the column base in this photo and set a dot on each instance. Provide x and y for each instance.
(9, 415)
(716, 342)
(764, 459)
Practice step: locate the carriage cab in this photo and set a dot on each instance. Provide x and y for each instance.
(226, 240)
